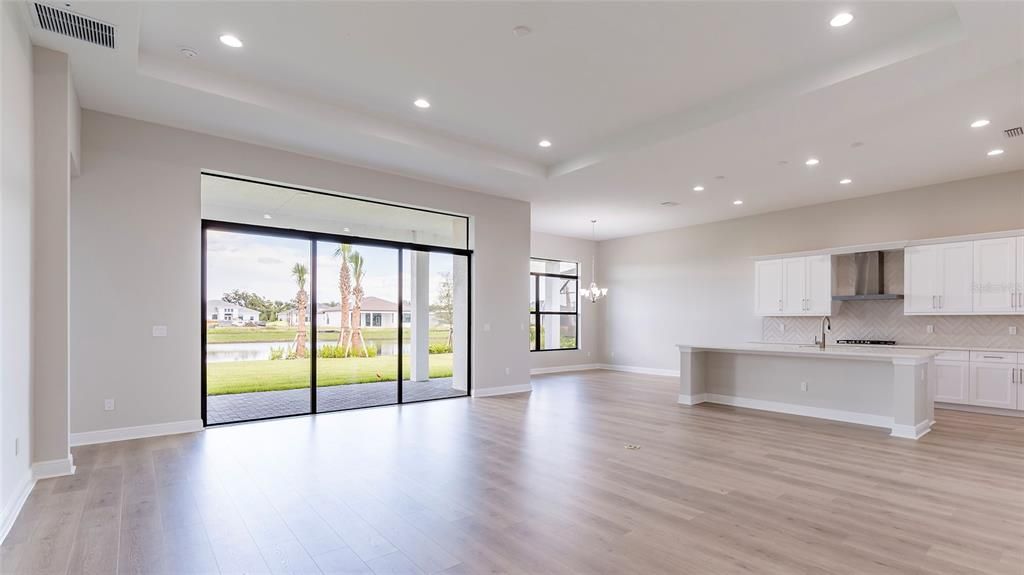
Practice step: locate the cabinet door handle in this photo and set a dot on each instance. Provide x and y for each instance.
(934, 300)
(780, 305)
(940, 302)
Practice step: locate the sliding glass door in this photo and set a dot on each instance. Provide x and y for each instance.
(358, 323)
(257, 340)
(304, 322)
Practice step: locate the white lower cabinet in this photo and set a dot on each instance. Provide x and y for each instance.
(993, 385)
(952, 381)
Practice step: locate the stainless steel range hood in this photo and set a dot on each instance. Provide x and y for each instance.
(868, 279)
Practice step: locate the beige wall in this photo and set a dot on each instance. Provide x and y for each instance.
(582, 251)
(53, 98)
(15, 258)
(135, 216)
(695, 285)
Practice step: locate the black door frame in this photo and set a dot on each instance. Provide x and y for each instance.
(313, 238)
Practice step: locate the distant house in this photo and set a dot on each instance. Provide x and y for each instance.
(291, 317)
(221, 311)
(375, 312)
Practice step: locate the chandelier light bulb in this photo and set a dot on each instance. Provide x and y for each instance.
(593, 293)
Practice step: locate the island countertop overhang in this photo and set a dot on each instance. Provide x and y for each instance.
(896, 356)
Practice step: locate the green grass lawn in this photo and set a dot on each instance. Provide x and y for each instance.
(266, 375)
(232, 334)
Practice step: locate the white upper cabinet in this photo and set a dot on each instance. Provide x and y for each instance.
(995, 275)
(920, 279)
(768, 287)
(793, 286)
(956, 277)
(939, 279)
(1019, 297)
(819, 285)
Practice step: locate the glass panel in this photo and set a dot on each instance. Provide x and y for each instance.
(558, 331)
(357, 326)
(436, 287)
(533, 293)
(232, 200)
(257, 313)
(554, 267)
(558, 294)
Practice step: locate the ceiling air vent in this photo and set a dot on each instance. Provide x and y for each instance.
(1014, 132)
(74, 25)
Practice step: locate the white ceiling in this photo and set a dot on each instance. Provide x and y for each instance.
(642, 101)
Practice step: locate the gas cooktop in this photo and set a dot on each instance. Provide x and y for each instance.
(867, 341)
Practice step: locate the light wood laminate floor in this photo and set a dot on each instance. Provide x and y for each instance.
(539, 483)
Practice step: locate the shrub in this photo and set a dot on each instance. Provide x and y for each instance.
(338, 352)
(439, 348)
(277, 353)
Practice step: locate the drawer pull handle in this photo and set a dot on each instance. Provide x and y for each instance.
(994, 356)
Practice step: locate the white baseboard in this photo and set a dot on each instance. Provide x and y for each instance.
(693, 399)
(136, 432)
(911, 431)
(10, 512)
(492, 391)
(564, 368)
(979, 409)
(642, 370)
(53, 468)
(804, 410)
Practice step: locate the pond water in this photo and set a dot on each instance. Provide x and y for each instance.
(217, 352)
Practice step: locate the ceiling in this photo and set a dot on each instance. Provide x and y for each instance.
(642, 102)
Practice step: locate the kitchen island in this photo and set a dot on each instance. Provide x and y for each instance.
(887, 388)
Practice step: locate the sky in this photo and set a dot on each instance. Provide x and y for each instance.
(263, 264)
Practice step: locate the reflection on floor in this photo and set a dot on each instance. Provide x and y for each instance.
(258, 405)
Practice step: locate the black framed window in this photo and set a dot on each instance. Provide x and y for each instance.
(554, 305)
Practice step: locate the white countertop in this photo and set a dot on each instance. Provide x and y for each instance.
(871, 353)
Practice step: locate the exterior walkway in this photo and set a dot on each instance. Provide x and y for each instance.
(262, 404)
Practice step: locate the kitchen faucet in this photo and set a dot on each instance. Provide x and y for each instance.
(826, 323)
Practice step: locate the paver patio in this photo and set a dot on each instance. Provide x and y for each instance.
(257, 405)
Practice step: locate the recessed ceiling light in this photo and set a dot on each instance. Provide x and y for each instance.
(229, 40)
(520, 31)
(737, 202)
(812, 162)
(980, 123)
(421, 103)
(698, 188)
(845, 181)
(268, 217)
(996, 152)
(841, 19)
(544, 144)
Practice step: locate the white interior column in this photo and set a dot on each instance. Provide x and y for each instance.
(460, 317)
(419, 272)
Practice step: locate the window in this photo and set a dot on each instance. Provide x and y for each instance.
(554, 298)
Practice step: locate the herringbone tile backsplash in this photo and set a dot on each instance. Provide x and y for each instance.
(885, 320)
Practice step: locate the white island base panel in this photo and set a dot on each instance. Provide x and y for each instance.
(880, 388)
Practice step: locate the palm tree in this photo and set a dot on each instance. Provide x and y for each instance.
(345, 285)
(356, 259)
(299, 272)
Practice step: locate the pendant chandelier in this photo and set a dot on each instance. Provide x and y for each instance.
(593, 293)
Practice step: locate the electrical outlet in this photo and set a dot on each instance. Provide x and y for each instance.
(929, 328)
(487, 327)
(803, 386)
(508, 371)
(588, 355)
(1013, 330)
(782, 327)
(159, 331)
(611, 354)
(108, 405)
